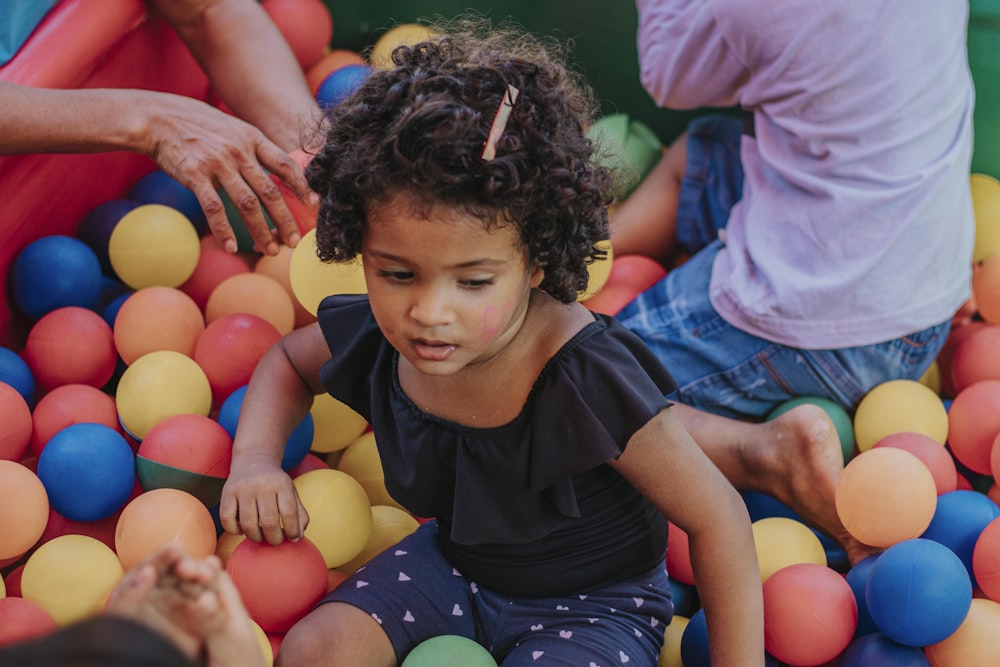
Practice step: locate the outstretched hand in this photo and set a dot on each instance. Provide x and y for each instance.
(259, 500)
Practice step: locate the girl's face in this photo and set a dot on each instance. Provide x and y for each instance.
(445, 292)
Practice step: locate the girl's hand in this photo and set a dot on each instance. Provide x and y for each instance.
(259, 500)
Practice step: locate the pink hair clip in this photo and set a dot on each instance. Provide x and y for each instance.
(499, 122)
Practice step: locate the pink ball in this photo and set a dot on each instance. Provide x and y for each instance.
(973, 424)
(810, 614)
(71, 345)
(986, 560)
(280, 583)
(189, 442)
(15, 415)
(229, 349)
(21, 620)
(931, 452)
(976, 358)
(71, 404)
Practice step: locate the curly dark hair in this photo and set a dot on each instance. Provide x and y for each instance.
(420, 128)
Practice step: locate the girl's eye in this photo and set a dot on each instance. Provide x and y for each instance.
(476, 284)
(397, 276)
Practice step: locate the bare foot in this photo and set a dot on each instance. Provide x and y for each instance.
(229, 637)
(798, 462)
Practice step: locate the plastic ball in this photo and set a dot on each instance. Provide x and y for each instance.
(986, 210)
(448, 651)
(54, 272)
(214, 265)
(933, 454)
(15, 415)
(670, 654)
(694, 641)
(229, 349)
(154, 245)
(877, 650)
(71, 577)
(986, 560)
(102, 530)
(313, 280)
(628, 147)
(71, 345)
(279, 583)
(782, 542)
(598, 272)
(154, 518)
(841, 420)
(389, 525)
(986, 289)
(159, 187)
(157, 318)
(14, 370)
(918, 592)
(975, 642)
(333, 60)
(309, 463)
(306, 25)
(679, 555)
(22, 620)
(973, 425)
(88, 471)
(297, 445)
(960, 518)
(857, 579)
(405, 34)
(67, 405)
(340, 514)
(899, 405)
(884, 496)
(336, 425)
(225, 544)
(96, 227)
(959, 332)
(610, 300)
(191, 442)
(932, 377)
(278, 267)
(24, 509)
(159, 385)
(254, 293)
(976, 357)
(361, 461)
(340, 83)
(809, 614)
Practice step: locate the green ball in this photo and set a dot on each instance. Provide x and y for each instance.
(449, 651)
(627, 147)
(841, 420)
(244, 242)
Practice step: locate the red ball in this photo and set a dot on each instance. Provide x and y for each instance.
(956, 336)
(280, 583)
(102, 529)
(67, 405)
(973, 425)
(611, 298)
(214, 266)
(810, 614)
(931, 452)
(986, 560)
(636, 271)
(157, 318)
(976, 357)
(309, 463)
(21, 620)
(679, 556)
(229, 349)
(15, 415)
(71, 345)
(305, 24)
(189, 442)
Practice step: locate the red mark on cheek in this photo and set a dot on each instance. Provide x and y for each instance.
(494, 319)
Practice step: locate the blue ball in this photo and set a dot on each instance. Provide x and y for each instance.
(53, 272)
(877, 650)
(15, 371)
(88, 471)
(685, 598)
(298, 443)
(340, 83)
(857, 579)
(694, 641)
(959, 518)
(918, 592)
(96, 227)
(159, 187)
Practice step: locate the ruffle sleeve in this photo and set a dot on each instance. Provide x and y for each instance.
(355, 343)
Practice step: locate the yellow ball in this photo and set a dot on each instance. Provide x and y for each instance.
(389, 526)
(158, 385)
(154, 245)
(71, 576)
(975, 642)
(335, 425)
(896, 406)
(932, 378)
(781, 541)
(313, 280)
(599, 271)
(262, 642)
(361, 461)
(225, 544)
(986, 208)
(340, 516)
(406, 34)
(670, 654)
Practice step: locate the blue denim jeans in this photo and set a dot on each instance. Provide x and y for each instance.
(718, 367)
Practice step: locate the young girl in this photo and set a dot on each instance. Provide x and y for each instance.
(534, 432)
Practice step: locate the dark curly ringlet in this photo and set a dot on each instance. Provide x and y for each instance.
(420, 129)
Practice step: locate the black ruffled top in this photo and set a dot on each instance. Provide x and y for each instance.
(528, 508)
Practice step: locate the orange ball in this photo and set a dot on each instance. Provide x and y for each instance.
(278, 267)
(332, 61)
(157, 318)
(973, 424)
(885, 495)
(933, 454)
(24, 509)
(21, 620)
(71, 345)
(229, 349)
(67, 405)
(306, 25)
(279, 584)
(976, 358)
(214, 265)
(158, 516)
(15, 415)
(986, 560)
(986, 288)
(975, 642)
(195, 443)
(256, 294)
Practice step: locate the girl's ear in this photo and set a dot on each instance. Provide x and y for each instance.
(536, 276)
